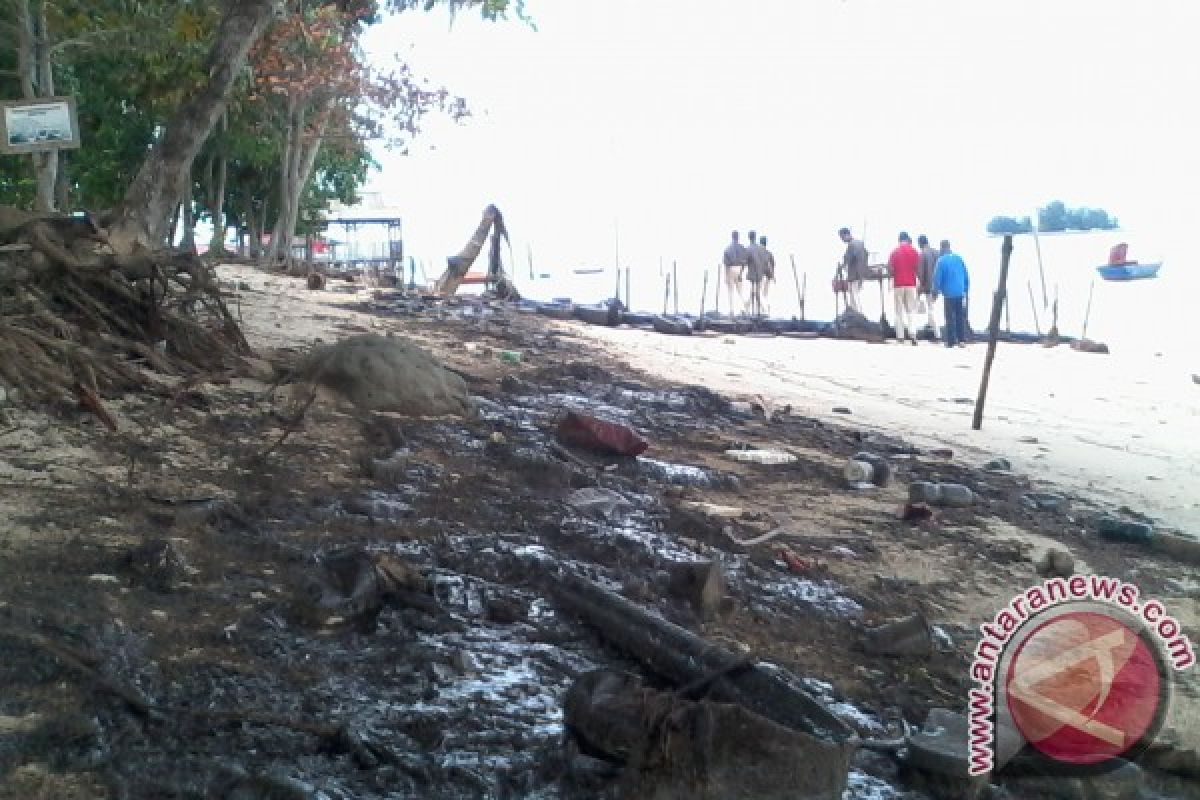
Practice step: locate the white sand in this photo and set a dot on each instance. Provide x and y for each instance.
(1109, 428)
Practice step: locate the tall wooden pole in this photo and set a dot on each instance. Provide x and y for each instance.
(799, 293)
(720, 281)
(667, 294)
(993, 329)
(1033, 304)
(1088, 314)
(628, 275)
(1041, 270)
(675, 284)
(704, 295)
(529, 258)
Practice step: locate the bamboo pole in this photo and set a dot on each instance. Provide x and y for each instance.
(704, 295)
(667, 294)
(803, 295)
(1087, 315)
(529, 258)
(1033, 304)
(993, 329)
(628, 275)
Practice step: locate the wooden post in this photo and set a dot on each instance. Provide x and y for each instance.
(1088, 314)
(703, 295)
(796, 278)
(617, 291)
(1041, 271)
(675, 285)
(529, 258)
(1007, 324)
(720, 283)
(667, 294)
(803, 295)
(628, 274)
(1033, 304)
(993, 329)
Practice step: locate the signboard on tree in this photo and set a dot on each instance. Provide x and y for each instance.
(31, 126)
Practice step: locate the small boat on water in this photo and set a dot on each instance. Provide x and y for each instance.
(610, 315)
(1128, 272)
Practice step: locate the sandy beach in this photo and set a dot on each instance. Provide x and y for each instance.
(1112, 428)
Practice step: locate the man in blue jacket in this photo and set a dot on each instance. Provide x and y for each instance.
(951, 281)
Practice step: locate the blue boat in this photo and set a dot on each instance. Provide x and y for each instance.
(1128, 272)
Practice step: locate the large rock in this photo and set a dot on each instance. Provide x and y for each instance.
(388, 373)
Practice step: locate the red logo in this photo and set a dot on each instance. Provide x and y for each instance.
(1085, 688)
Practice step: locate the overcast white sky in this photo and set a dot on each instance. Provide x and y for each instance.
(679, 120)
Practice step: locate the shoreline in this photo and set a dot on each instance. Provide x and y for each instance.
(1062, 433)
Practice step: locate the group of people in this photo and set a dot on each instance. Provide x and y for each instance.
(919, 277)
(755, 263)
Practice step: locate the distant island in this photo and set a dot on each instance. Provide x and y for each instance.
(1055, 217)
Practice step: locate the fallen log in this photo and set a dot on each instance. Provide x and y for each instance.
(676, 654)
(673, 747)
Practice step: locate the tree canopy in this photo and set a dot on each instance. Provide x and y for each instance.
(252, 113)
(1055, 217)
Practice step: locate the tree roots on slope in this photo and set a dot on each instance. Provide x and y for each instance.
(80, 320)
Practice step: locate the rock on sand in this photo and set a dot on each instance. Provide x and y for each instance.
(388, 373)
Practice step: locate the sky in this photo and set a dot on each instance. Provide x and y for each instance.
(648, 129)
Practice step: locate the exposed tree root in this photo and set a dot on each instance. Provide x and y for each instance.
(80, 321)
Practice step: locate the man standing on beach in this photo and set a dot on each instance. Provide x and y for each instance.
(902, 266)
(929, 258)
(736, 260)
(950, 280)
(756, 271)
(768, 276)
(855, 263)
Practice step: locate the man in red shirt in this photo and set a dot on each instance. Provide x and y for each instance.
(902, 266)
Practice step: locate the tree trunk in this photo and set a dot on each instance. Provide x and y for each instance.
(289, 166)
(36, 75)
(144, 213)
(174, 228)
(305, 163)
(189, 225)
(217, 245)
(62, 184)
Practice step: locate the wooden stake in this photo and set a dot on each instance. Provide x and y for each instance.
(803, 295)
(675, 285)
(529, 258)
(1088, 314)
(720, 284)
(704, 295)
(1041, 270)
(667, 294)
(628, 274)
(1033, 304)
(993, 329)
(796, 278)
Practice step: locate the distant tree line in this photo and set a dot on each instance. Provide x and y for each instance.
(1056, 217)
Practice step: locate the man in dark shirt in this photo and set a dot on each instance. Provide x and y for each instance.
(736, 259)
(855, 263)
(929, 258)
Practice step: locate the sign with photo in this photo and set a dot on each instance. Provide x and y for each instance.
(30, 126)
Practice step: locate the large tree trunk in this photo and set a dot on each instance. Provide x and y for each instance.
(305, 163)
(145, 212)
(289, 166)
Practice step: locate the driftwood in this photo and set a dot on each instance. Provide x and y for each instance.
(80, 319)
(683, 658)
